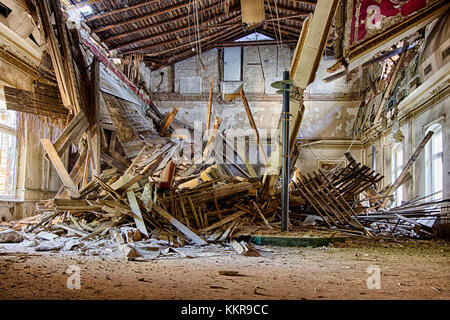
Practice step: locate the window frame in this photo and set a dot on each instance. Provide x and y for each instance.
(8, 130)
(240, 66)
(396, 170)
(430, 156)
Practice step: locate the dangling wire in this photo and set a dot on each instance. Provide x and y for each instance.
(260, 59)
(272, 18)
(278, 36)
(278, 20)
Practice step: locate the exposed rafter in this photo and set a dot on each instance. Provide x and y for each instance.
(160, 25)
(143, 18)
(117, 11)
(165, 31)
(234, 17)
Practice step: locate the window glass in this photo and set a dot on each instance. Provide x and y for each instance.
(397, 167)
(7, 164)
(437, 142)
(7, 117)
(434, 163)
(8, 150)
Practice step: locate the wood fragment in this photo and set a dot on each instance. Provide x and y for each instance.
(181, 227)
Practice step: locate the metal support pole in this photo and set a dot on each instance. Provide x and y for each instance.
(285, 164)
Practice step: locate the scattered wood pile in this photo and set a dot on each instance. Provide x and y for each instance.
(412, 219)
(129, 174)
(333, 197)
(348, 199)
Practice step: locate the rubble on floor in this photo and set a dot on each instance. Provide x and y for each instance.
(134, 187)
(153, 209)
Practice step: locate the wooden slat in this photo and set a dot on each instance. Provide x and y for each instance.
(181, 227)
(60, 169)
(406, 168)
(208, 116)
(169, 120)
(253, 125)
(223, 221)
(137, 212)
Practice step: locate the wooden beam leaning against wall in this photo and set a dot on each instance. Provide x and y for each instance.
(60, 168)
(253, 125)
(406, 168)
(94, 130)
(70, 134)
(168, 121)
(309, 50)
(60, 52)
(388, 90)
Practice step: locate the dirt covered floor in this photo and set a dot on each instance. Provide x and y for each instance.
(409, 270)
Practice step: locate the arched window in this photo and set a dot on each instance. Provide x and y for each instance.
(397, 167)
(434, 163)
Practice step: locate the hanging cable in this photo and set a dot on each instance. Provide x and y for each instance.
(260, 59)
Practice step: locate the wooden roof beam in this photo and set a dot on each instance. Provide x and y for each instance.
(84, 3)
(235, 16)
(231, 35)
(284, 31)
(230, 44)
(203, 38)
(236, 32)
(281, 7)
(163, 10)
(270, 32)
(286, 27)
(295, 17)
(311, 2)
(115, 11)
(151, 26)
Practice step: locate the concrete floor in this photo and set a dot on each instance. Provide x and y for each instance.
(412, 270)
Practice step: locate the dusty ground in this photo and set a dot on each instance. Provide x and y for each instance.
(408, 271)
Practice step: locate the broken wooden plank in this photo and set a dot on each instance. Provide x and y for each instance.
(208, 117)
(60, 168)
(262, 215)
(167, 176)
(95, 123)
(168, 121)
(135, 160)
(112, 142)
(181, 227)
(194, 213)
(137, 212)
(253, 125)
(223, 221)
(387, 92)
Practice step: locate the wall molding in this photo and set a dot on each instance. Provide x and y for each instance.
(425, 97)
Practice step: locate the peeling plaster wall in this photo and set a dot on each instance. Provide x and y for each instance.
(414, 130)
(328, 119)
(330, 108)
(266, 114)
(36, 178)
(423, 106)
(310, 156)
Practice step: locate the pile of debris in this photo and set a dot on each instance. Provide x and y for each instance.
(155, 199)
(130, 182)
